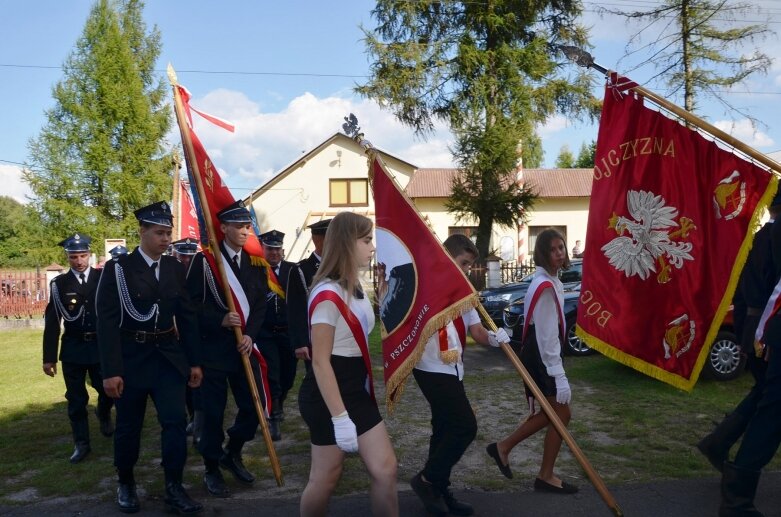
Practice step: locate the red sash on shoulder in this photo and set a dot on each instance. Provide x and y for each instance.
(355, 327)
(545, 284)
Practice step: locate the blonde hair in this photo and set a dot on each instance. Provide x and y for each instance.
(340, 261)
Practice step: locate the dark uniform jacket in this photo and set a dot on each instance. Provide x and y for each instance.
(276, 307)
(297, 292)
(218, 342)
(124, 352)
(79, 344)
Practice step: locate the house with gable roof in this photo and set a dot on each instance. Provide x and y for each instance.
(333, 177)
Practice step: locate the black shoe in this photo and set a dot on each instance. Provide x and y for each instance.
(503, 468)
(455, 506)
(429, 495)
(80, 451)
(106, 425)
(127, 499)
(215, 483)
(274, 430)
(232, 462)
(177, 500)
(544, 486)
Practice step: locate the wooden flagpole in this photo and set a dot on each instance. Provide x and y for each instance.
(351, 129)
(584, 59)
(217, 254)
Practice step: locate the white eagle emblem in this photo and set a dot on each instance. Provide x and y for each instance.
(650, 243)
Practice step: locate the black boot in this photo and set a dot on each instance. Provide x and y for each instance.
(81, 440)
(176, 499)
(215, 483)
(715, 446)
(127, 498)
(454, 506)
(274, 428)
(231, 461)
(429, 495)
(738, 488)
(281, 412)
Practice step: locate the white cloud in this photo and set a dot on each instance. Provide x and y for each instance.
(553, 125)
(263, 143)
(744, 131)
(13, 185)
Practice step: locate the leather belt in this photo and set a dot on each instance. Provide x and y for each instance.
(140, 336)
(82, 336)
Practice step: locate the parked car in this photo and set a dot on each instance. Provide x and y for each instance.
(495, 300)
(725, 362)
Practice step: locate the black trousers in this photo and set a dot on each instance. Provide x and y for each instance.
(763, 434)
(76, 393)
(168, 395)
(281, 362)
(213, 396)
(453, 424)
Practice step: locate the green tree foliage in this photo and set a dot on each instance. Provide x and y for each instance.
(565, 159)
(585, 159)
(699, 46)
(101, 153)
(489, 71)
(21, 237)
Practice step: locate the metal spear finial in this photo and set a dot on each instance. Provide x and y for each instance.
(353, 130)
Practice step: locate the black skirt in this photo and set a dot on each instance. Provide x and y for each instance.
(351, 377)
(532, 361)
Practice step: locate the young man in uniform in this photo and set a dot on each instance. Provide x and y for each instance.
(149, 347)
(222, 363)
(72, 300)
(274, 342)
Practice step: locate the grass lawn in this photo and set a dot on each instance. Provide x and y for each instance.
(630, 427)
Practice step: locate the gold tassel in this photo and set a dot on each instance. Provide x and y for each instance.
(449, 356)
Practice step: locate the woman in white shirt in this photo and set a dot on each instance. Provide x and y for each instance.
(543, 333)
(336, 398)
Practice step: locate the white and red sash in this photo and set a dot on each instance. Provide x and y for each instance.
(447, 354)
(771, 309)
(241, 304)
(538, 286)
(358, 323)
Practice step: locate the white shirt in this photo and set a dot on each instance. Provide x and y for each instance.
(149, 260)
(85, 273)
(430, 361)
(545, 319)
(326, 312)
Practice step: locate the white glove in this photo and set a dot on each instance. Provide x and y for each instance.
(563, 391)
(346, 435)
(498, 337)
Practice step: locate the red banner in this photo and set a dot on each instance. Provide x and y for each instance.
(218, 196)
(421, 288)
(187, 214)
(670, 225)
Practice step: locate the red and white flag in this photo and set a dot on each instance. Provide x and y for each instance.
(425, 287)
(670, 225)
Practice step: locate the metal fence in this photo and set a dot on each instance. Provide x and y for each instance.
(23, 294)
(511, 271)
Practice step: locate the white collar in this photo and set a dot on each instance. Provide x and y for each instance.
(149, 260)
(85, 273)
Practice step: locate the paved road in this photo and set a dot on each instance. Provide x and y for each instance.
(689, 498)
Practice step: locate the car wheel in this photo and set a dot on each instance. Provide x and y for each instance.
(725, 362)
(575, 346)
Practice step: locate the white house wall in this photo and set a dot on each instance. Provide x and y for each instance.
(570, 212)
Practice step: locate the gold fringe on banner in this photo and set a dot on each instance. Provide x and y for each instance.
(394, 387)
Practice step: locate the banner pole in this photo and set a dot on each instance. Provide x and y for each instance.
(217, 254)
(584, 59)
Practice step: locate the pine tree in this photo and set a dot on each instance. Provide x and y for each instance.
(101, 153)
(488, 70)
(565, 159)
(699, 47)
(585, 159)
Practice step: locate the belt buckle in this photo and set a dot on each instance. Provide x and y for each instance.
(140, 336)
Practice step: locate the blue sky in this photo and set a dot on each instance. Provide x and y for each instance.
(299, 61)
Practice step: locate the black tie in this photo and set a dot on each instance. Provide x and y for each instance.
(236, 261)
(153, 267)
(82, 279)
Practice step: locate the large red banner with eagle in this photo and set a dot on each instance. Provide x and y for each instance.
(671, 220)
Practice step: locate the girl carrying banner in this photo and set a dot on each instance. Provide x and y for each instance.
(336, 398)
(543, 333)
